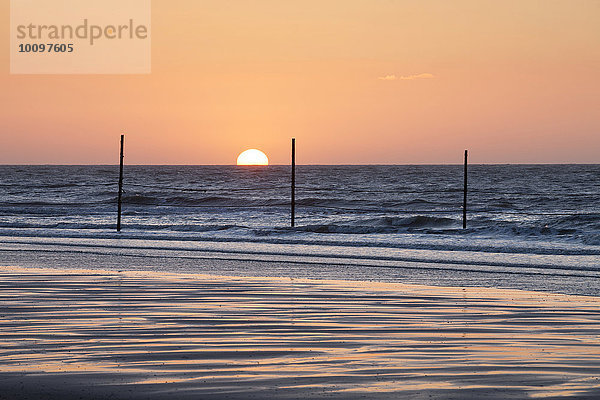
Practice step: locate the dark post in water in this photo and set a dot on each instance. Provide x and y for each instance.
(465, 193)
(120, 186)
(293, 200)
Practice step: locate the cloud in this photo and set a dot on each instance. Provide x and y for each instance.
(418, 76)
(406, 78)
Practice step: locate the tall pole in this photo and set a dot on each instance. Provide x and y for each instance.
(120, 197)
(293, 199)
(465, 191)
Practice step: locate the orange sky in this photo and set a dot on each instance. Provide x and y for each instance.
(513, 81)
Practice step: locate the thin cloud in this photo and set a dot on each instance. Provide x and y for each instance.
(418, 76)
(406, 78)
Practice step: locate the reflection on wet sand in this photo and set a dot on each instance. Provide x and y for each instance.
(72, 334)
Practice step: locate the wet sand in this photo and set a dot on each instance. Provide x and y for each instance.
(71, 334)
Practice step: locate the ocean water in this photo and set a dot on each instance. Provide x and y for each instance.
(532, 227)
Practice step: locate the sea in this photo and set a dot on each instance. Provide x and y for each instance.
(530, 227)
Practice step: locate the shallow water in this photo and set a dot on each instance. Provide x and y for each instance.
(98, 334)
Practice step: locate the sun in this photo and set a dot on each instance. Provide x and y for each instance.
(252, 157)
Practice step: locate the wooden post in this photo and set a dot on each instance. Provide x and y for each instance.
(120, 196)
(293, 198)
(465, 192)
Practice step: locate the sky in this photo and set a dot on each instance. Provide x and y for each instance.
(354, 81)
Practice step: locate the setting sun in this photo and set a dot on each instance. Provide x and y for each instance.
(252, 157)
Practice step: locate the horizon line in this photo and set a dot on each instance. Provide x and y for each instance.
(287, 165)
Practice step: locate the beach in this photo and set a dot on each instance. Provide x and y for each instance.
(386, 200)
(74, 333)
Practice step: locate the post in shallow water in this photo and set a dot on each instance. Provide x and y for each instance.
(120, 196)
(465, 192)
(293, 198)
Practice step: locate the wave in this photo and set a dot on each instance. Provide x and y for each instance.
(139, 199)
(419, 202)
(289, 236)
(111, 226)
(382, 225)
(203, 201)
(592, 220)
(25, 206)
(417, 221)
(526, 264)
(574, 227)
